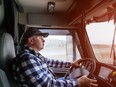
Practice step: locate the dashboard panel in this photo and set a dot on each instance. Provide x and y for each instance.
(104, 72)
(105, 75)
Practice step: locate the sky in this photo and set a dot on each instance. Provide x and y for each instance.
(58, 37)
(101, 32)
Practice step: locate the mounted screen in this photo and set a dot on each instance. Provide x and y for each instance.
(104, 72)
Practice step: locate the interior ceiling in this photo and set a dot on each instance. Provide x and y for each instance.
(40, 6)
(75, 10)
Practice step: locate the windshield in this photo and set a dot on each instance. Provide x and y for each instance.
(59, 45)
(101, 36)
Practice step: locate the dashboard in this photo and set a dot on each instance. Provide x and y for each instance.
(105, 75)
(104, 72)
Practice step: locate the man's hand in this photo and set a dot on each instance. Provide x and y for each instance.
(84, 81)
(76, 63)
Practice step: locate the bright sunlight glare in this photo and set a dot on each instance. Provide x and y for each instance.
(106, 32)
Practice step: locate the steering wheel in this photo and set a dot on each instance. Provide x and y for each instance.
(87, 67)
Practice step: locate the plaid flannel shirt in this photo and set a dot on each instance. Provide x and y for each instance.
(32, 70)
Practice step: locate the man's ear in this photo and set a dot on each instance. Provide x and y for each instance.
(30, 40)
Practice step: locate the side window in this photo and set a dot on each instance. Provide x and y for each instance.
(59, 47)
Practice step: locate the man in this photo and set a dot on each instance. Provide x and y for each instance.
(31, 69)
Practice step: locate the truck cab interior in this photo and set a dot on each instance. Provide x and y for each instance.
(70, 37)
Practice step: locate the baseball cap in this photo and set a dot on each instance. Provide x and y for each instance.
(33, 31)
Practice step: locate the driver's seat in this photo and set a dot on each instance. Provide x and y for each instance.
(7, 53)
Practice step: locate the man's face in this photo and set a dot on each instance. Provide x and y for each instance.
(37, 42)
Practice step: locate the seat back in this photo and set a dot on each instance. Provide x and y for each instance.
(3, 79)
(7, 53)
